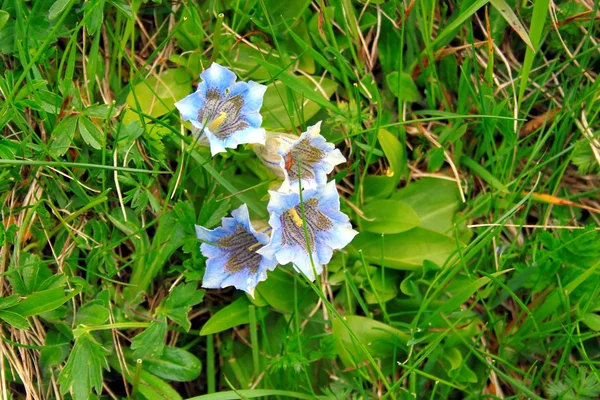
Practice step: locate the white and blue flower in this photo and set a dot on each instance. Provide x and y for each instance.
(225, 111)
(309, 158)
(233, 253)
(323, 229)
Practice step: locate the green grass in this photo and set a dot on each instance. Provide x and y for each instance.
(472, 177)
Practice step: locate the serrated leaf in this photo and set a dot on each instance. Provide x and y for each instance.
(90, 133)
(180, 301)
(83, 371)
(92, 314)
(151, 342)
(62, 137)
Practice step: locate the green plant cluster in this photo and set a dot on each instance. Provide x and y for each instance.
(470, 130)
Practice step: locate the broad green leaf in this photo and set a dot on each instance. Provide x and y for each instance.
(278, 282)
(180, 301)
(92, 314)
(234, 314)
(3, 18)
(592, 320)
(151, 387)
(90, 133)
(379, 186)
(58, 7)
(6, 302)
(174, 365)
(274, 109)
(403, 86)
(389, 216)
(151, 342)
(434, 200)
(157, 95)
(380, 340)
(62, 137)
(83, 371)
(14, 319)
(406, 250)
(42, 301)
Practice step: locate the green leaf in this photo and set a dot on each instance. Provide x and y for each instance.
(509, 15)
(62, 137)
(58, 7)
(169, 237)
(434, 200)
(14, 319)
(174, 365)
(394, 152)
(90, 133)
(234, 314)
(6, 302)
(151, 387)
(93, 313)
(43, 301)
(275, 114)
(3, 18)
(252, 394)
(380, 340)
(83, 370)
(151, 342)
(180, 301)
(592, 320)
(278, 282)
(407, 250)
(102, 111)
(157, 95)
(403, 86)
(379, 186)
(389, 216)
(307, 91)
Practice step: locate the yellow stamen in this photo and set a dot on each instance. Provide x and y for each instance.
(214, 125)
(255, 245)
(295, 217)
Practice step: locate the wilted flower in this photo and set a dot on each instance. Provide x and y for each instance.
(232, 252)
(308, 157)
(327, 228)
(225, 111)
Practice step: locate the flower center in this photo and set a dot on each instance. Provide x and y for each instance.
(241, 247)
(214, 125)
(295, 217)
(306, 155)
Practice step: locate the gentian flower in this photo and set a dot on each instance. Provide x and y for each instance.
(308, 157)
(327, 228)
(225, 111)
(232, 252)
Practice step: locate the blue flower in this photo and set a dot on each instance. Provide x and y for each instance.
(225, 111)
(327, 228)
(232, 252)
(309, 158)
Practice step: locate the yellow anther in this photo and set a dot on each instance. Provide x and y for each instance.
(214, 125)
(295, 217)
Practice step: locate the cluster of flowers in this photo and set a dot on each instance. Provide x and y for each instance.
(305, 223)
